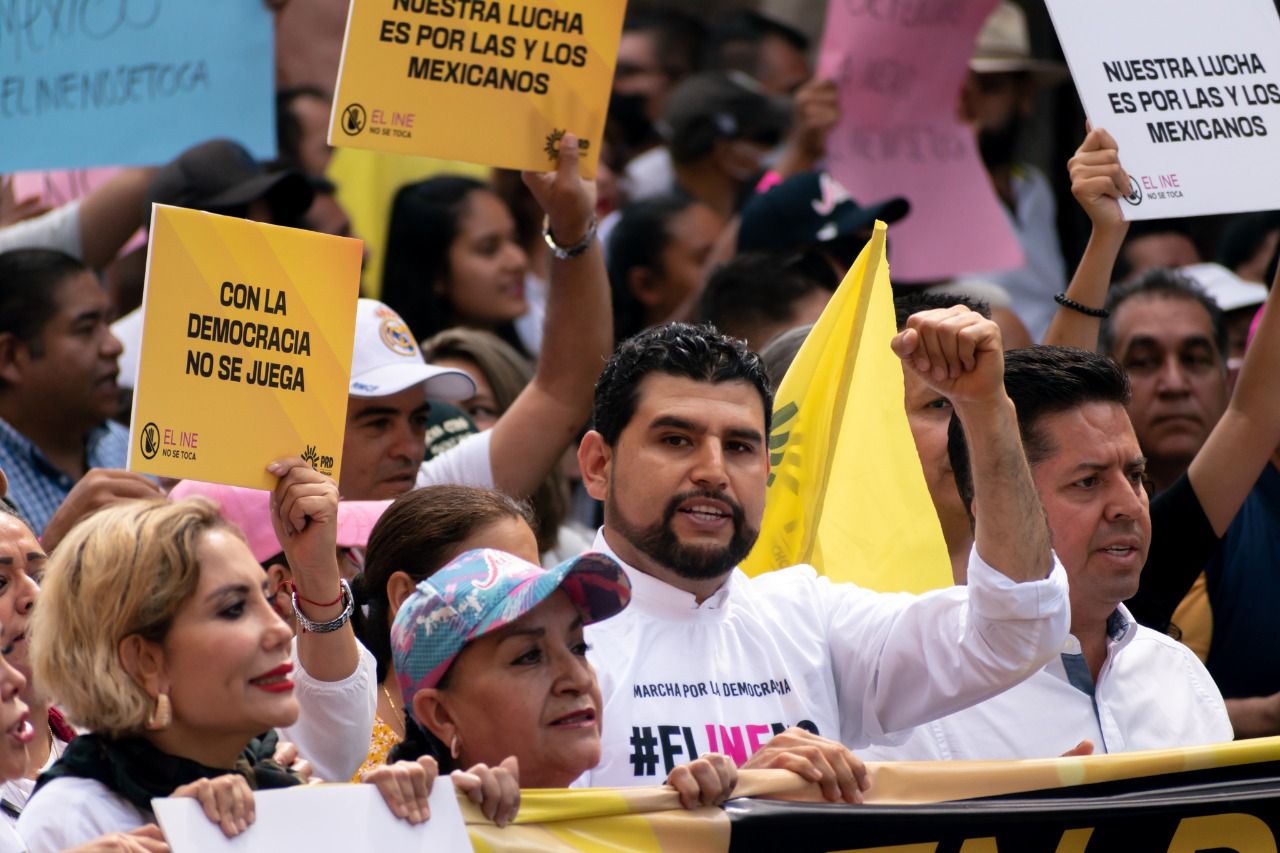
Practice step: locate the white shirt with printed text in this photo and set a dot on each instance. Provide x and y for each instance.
(791, 648)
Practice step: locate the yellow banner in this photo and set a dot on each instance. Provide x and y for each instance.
(846, 493)
(246, 348)
(496, 82)
(651, 820)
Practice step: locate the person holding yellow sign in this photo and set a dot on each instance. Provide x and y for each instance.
(390, 383)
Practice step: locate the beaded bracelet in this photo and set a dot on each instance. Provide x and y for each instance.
(1066, 302)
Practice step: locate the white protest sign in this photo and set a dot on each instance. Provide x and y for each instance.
(1191, 92)
(319, 817)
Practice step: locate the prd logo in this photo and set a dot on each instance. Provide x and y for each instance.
(149, 442)
(1135, 192)
(354, 119)
(552, 146)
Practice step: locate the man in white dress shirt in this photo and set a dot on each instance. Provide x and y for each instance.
(708, 660)
(1116, 685)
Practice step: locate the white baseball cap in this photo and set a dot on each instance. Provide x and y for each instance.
(1226, 288)
(386, 359)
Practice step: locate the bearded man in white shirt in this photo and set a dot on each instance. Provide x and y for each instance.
(708, 660)
(1116, 686)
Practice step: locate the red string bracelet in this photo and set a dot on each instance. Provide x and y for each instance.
(294, 588)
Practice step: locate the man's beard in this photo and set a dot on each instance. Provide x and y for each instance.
(659, 542)
(998, 145)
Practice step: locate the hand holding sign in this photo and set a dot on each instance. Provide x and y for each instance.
(815, 113)
(486, 81)
(1194, 98)
(1098, 181)
(304, 513)
(568, 199)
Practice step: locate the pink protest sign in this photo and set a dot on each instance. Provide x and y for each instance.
(900, 68)
(57, 188)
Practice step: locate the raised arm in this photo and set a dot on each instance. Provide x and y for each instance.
(1229, 463)
(1098, 182)
(304, 512)
(110, 214)
(336, 686)
(958, 354)
(815, 113)
(577, 337)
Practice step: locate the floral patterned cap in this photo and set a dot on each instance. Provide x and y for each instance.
(481, 591)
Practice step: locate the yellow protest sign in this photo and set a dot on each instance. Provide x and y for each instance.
(246, 348)
(496, 82)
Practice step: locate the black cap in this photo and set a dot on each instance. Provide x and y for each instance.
(808, 209)
(446, 426)
(221, 175)
(720, 105)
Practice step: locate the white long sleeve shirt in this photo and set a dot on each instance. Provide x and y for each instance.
(790, 648)
(332, 732)
(1152, 693)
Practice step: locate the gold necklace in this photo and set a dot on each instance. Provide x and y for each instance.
(397, 720)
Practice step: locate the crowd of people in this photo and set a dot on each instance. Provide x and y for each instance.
(556, 454)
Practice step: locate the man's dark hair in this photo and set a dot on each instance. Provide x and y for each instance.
(678, 36)
(908, 302)
(29, 284)
(1244, 236)
(288, 128)
(760, 287)
(1123, 268)
(780, 352)
(1167, 284)
(735, 39)
(638, 240)
(1043, 380)
(677, 349)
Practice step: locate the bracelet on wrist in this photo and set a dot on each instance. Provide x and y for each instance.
(1066, 302)
(293, 587)
(566, 252)
(348, 605)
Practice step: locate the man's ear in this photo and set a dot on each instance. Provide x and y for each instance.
(14, 355)
(399, 587)
(145, 663)
(433, 714)
(595, 459)
(643, 284)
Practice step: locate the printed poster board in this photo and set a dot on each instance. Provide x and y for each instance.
(900, 68)
(495, 82)
(246, 348)
(1191, 92)
(320, 817)
(132, 82)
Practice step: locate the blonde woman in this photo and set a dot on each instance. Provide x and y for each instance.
(155, 634)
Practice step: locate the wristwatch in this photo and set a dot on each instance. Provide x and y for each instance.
(565, 252)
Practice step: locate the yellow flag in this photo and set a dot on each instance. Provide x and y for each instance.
(846, 493)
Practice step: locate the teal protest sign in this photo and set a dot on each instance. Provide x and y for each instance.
(131, 82)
